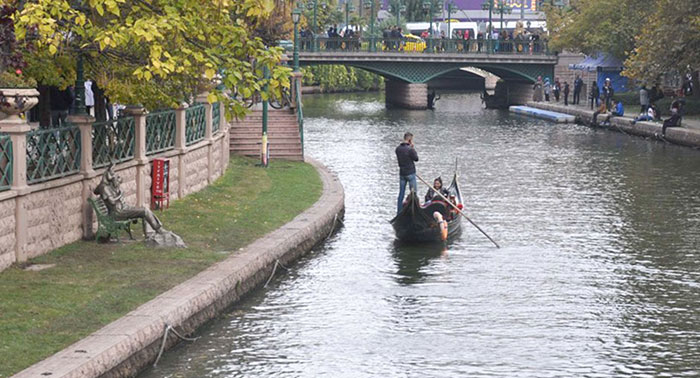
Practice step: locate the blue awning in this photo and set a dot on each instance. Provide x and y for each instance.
(601, 62)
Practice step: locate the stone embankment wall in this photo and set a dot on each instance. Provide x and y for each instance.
(130, 344)
(37, 218)
(676, 135)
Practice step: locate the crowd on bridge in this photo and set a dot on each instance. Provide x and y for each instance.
(518, 41)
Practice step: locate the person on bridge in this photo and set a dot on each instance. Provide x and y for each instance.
(407, 156)
(578, 86)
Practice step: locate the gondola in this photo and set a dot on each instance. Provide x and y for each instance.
(424, 223)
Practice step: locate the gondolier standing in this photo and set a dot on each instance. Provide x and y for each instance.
(406, 155)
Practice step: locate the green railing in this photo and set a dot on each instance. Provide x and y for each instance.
(300, 117)
(196, 124)
(426, 45)
(160, 131)
(52, 153)
(215, 117)
(5, 162)
(112, 141)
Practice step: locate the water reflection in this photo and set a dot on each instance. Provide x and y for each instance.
(412, 259)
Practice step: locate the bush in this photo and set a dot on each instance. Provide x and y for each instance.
(16, 80)
(334, 78)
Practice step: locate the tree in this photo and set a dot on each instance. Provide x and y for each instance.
(594, 26)
(153, 52)
(669, 42)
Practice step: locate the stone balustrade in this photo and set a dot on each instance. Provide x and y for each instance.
(46, 176)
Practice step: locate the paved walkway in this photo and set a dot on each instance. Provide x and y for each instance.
(687, 135)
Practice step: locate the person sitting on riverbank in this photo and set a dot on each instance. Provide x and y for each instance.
(431, 194)
(674, 121)
(601, 110)
(650, 115)
(617, 111)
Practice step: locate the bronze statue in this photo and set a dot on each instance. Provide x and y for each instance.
(110, 192)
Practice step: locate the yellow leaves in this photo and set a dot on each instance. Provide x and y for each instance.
(53, 50)
(209, 73)
(212, 98)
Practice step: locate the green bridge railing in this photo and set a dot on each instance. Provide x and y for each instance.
(5, 162)
(215, 117)
(427, 45)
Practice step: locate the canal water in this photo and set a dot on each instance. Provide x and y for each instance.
(598, 274)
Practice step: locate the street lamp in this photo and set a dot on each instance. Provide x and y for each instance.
(428, 6)
(503, 8)
(488, 4)
(370, 4)
(450, 7)
(296, 15)
(398, 8)
(348, 8)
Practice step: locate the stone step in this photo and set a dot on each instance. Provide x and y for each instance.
(270, 133)
(282, 140)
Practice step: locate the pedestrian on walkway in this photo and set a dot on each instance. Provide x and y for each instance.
(643, 99)
(608, 92)
(556, 89)
(578, 86)
(594, 95)
(406, 155)
(547, 89)
(537, 90)
(566, 93)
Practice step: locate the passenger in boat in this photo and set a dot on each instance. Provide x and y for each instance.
(437, 184)
(407, 156)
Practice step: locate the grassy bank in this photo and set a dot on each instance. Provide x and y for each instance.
(42, 312)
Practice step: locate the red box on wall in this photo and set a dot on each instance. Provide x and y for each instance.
(160, 183)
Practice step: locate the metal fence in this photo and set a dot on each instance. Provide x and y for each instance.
(52, 153)
(5, 162)
(195, 124)
(160, 131)
(215, 117)
(112, 141)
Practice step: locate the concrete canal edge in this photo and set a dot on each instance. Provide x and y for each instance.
(131, 343)
(676, 135)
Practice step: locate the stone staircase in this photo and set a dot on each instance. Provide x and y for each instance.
(282, 134)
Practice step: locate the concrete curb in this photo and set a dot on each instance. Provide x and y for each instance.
(676, 135)
(127, 345)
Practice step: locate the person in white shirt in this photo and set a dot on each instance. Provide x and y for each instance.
(89, 97)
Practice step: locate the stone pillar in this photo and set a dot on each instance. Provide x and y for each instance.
(139, 113)
(519, 92)
(18, 135)
(181, 148)
(406, 95)
(84, 123)
(208, 134)
(223, 129)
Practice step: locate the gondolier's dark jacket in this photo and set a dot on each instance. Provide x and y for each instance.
(406, 156)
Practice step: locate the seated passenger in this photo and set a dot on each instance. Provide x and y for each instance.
(437, 184)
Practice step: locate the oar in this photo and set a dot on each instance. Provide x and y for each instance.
(458, 210)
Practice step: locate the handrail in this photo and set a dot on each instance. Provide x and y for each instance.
(300, 117)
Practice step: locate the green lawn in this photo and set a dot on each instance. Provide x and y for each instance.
(93, 284)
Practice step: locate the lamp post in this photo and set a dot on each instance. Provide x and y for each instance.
(522, 9)
(450, 7)
(503, 8)
(370, 4)
(79, 103)
(398, 8)
(428, 6)
(296, 15)
(313, 5)
(348, 8)
(488, 4)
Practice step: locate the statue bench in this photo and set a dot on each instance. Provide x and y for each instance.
(107, 226)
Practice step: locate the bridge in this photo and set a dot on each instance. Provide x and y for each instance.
(408, 65)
